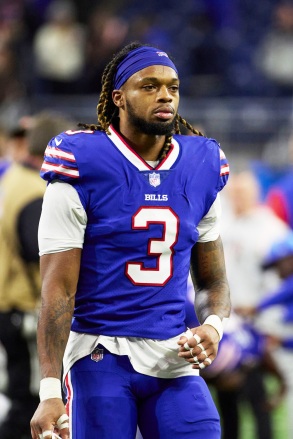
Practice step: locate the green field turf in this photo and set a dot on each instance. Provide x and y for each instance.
(279, 424)
(279, 415)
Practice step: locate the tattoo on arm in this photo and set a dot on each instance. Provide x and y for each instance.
(59, 273)
(210, 282)
(53, 330)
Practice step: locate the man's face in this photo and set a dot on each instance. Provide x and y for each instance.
(150, 99)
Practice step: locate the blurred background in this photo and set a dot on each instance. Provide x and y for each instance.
(235, 62)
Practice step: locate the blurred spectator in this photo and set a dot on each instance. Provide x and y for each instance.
(16, 146)
(106, 34)
(248, 230)
(11, 15)
(242, 351)
(22, 193)
(280, 257)
(243, 355)
(13, 144)
(280, 330)
(59, 50)
(14, 149)
(240, 37)
(280, 194)
(12, 89)
(4, 162)
(207, 56)
(14, 62)
(275, 53)
(34, 14)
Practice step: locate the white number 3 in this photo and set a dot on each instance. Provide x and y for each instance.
(162, 247)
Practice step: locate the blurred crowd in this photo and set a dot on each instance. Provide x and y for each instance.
(226, 48)
(257, 346)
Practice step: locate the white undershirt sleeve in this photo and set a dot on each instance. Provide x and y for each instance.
(63, 219)
(209, 227)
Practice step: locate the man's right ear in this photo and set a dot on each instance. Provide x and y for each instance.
(118, 98)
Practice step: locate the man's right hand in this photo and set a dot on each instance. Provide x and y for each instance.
(46, 420)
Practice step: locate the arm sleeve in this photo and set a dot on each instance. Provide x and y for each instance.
(224, 170)
(63, 219)
(59, 160)
(209, 227)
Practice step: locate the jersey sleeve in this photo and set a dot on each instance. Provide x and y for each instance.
(59, 160)
(224, 170)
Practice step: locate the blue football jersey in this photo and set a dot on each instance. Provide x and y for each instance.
(142, 224)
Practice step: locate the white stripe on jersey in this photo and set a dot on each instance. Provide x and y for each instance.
(225, 169)
(60, 169)
(58, 153)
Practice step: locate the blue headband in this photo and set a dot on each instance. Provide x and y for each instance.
(137, 60)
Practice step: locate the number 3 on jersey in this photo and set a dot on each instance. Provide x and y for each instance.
(162, 248)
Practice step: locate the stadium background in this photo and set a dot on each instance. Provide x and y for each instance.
(228, 90)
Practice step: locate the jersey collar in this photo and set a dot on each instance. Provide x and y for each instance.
(138, 161)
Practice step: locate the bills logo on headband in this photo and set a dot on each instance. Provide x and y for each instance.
(97, 354)
(154, 179)
(162, 54)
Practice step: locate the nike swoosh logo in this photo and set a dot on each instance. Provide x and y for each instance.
(58, 141)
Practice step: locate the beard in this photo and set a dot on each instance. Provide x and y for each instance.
(151, 128)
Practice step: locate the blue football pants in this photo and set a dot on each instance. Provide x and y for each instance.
(108, 399)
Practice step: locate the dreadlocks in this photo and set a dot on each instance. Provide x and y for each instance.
(107, 110)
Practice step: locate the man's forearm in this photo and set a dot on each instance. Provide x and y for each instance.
(53, 331)
(216, 300)
(210, 281)
(59, 273)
